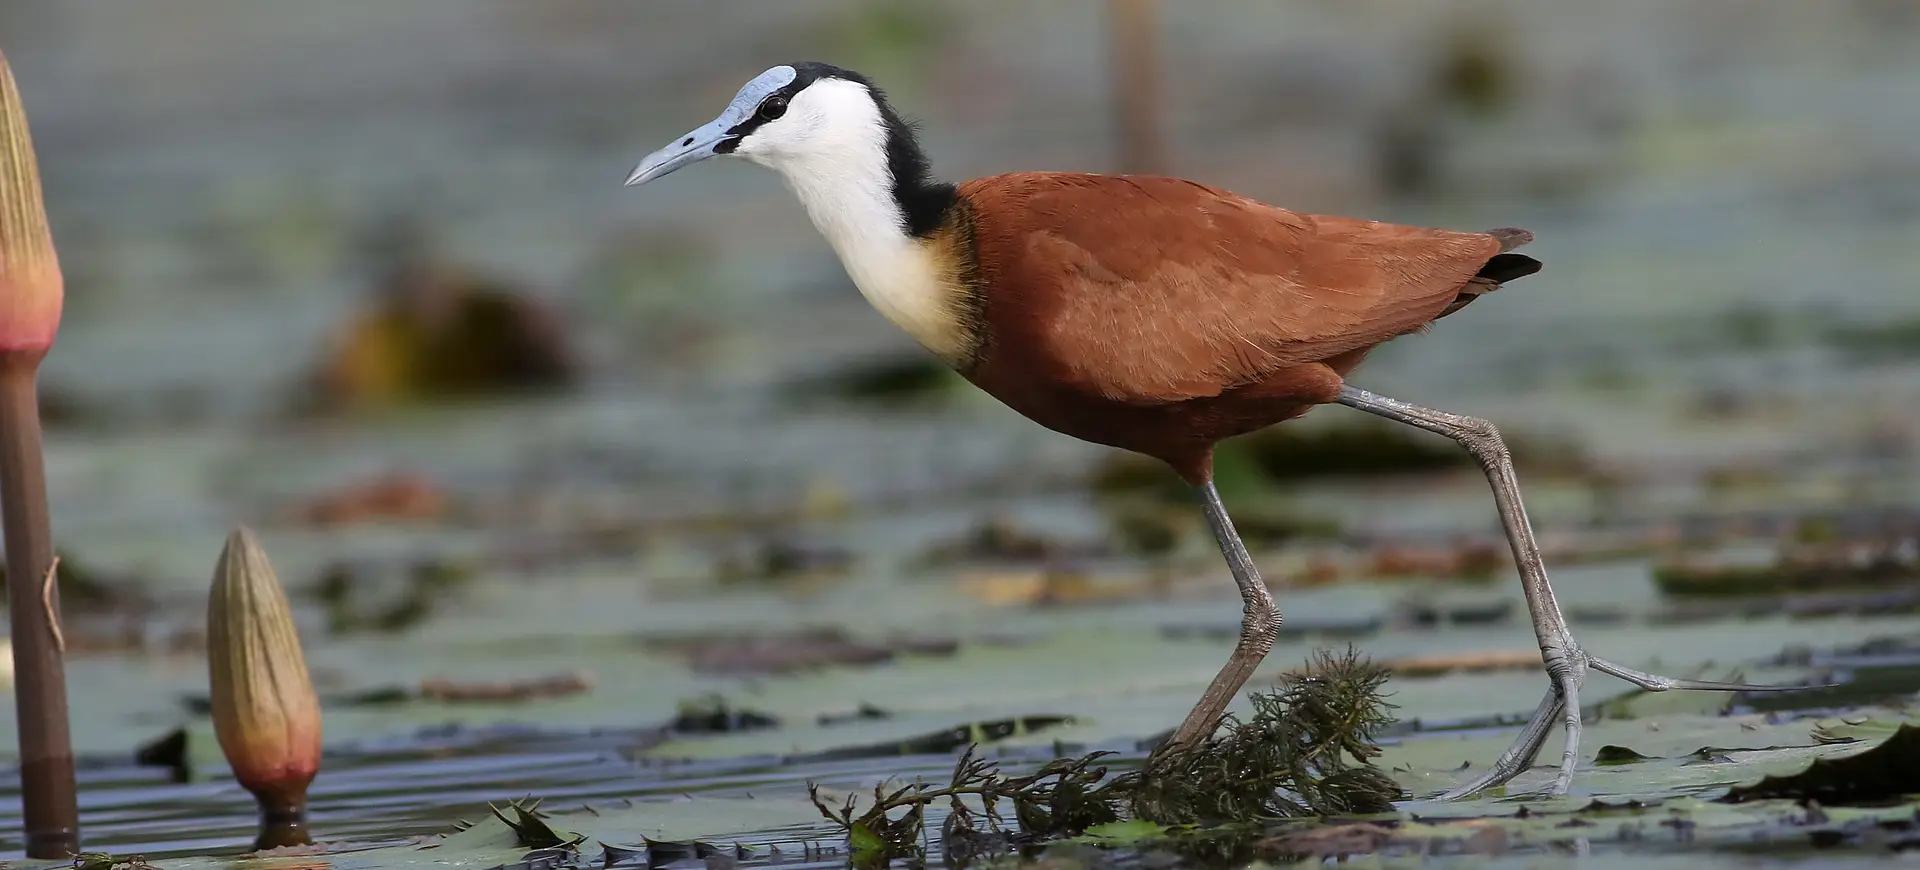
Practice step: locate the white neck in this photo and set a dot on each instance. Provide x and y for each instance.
(842, 178)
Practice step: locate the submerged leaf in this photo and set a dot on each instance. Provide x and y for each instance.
(866, 845)
(1844, 731)
(1130, 832)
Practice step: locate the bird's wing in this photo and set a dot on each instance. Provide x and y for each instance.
(1151, 290)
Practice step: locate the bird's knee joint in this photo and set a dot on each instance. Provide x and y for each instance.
(1482, 439)
(1559, 667)
(1260, 624)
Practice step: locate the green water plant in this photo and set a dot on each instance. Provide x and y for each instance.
(1304, 752)
(31, 293)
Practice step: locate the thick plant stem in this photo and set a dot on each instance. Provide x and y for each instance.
(39, 663)
(283, 822)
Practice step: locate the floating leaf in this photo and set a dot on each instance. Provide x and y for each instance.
(1889, 771)
(530, 827)
(1618, 755)
(1829, 731)
(1126, 832)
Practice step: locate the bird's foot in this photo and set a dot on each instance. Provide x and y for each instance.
(1566, 665)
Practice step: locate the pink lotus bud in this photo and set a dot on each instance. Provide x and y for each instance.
(265, 711)
(30, 285)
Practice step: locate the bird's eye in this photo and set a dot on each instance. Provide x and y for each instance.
(773, 107)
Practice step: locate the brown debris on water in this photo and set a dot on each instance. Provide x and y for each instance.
(1000, 540)
(1823, 566)
(1055, 588)
(1442, 664)
(1473, 560)
(773, 654)
(387, 497)
(1327, 841)
(534, 689)
(1342, 841)
(783, 560)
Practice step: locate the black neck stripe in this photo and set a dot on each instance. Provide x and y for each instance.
(923, 200)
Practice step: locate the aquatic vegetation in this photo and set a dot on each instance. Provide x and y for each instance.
(1315, 449)
(440, 333)
(343, 590)
(887, 382)
(530, 828)
(1305, 751)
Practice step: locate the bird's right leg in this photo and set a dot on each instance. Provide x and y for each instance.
(1566, 663)
(1259, 628)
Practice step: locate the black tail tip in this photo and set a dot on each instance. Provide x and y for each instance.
(1511, 237)
(1507, 267)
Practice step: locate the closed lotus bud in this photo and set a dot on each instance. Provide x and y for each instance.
(265, 711)
(30, 285)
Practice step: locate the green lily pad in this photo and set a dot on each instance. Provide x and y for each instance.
(1889, 771)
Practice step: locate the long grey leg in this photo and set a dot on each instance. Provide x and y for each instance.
(1259, 627)
(1566, 663)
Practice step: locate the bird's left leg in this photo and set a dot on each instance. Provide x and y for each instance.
(1566, 662)
(1259, 628)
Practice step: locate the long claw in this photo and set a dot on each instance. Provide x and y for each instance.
(1521, 754)
(1657, 683)
(1526, 748)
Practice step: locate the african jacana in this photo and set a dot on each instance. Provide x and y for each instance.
(1151, 314)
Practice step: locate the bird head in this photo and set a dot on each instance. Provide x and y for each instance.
(802, 118)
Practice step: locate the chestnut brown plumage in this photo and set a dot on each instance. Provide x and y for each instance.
(1152, 314)
(1201, 316)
